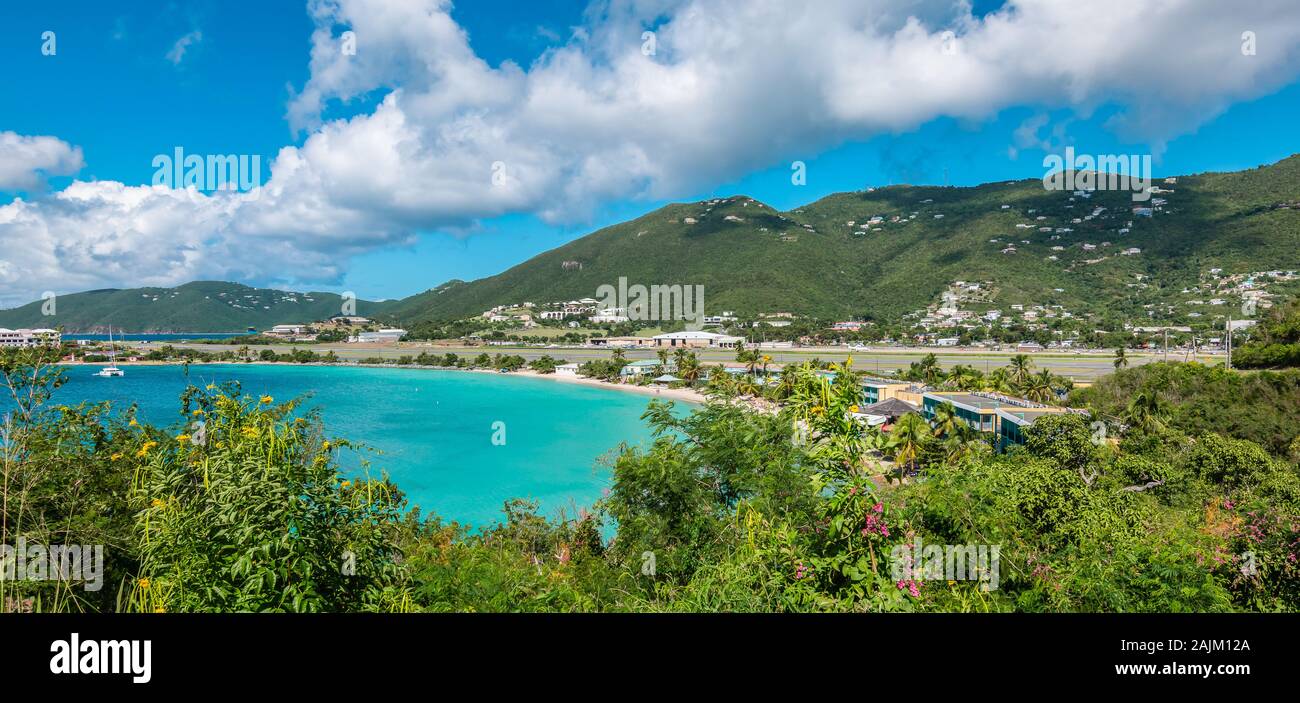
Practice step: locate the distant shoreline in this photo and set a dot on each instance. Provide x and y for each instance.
(686, 395)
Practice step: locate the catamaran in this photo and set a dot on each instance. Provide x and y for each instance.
(111, 369)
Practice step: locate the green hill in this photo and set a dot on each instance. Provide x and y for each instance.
(202, 306)
(753, 259)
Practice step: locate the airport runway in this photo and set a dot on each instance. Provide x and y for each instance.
(1077, 365)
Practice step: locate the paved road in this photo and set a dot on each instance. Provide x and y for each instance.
(1079, 366)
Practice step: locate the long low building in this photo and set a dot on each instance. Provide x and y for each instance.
(29, 338)
(696, 339)
(1002, 416)
(388, 334)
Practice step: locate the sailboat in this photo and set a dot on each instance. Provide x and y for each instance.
(111, 369)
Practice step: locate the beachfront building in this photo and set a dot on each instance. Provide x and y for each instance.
(1002, 416)
(696, 339)
(977, 410)
(875, 390)
(570, 369)
(640, 367)
(29, 338)
(884, 414)
(1013, 421)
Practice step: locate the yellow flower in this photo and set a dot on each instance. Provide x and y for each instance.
(157, 503)
(267, 399)
(159, 609)
(197, 411)
(115, 457)
(133, 423)
(211, 386)
(347, 484)
(144, 583)
(249, 431)
(182, 438)
(145, 449)
(325, 445)
(853, 408)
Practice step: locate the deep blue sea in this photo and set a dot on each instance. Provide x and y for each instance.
(434, 427)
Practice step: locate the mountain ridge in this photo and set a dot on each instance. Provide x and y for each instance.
(830, 259)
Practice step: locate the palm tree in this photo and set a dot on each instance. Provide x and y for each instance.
(1120, 359)
(786, 385)
(946, 421)
(1039, 387)
(929, 368)
(663, 358)
(619, 356)
(1020, 365)
(745, 386)
(964, 378)
(688, 368)
(1146, 412)
(909, 436)
(999, 380)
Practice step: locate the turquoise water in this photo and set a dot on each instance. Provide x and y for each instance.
(434, 427)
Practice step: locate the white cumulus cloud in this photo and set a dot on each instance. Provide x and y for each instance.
(26, 162)
(731, 86)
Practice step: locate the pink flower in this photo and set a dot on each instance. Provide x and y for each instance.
(911, 586)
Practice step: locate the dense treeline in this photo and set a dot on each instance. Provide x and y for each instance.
(1263, 406)
(1276, 341)
(242, 505)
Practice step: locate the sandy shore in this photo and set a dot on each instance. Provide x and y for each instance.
(686, 395)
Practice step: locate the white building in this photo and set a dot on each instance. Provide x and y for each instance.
(29, 338)
(287, 330)
(566, 370)
(387, 334)
(696, 339)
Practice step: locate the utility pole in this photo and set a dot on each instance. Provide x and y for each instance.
(1166, 330)
(1228, 336)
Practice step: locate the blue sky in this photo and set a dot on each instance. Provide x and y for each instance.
(121, 91)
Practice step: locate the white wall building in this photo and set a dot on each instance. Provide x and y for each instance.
(388, 334)
(696, 339)
(29, 338)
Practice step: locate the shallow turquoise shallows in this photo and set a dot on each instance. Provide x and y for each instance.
(435, 428)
